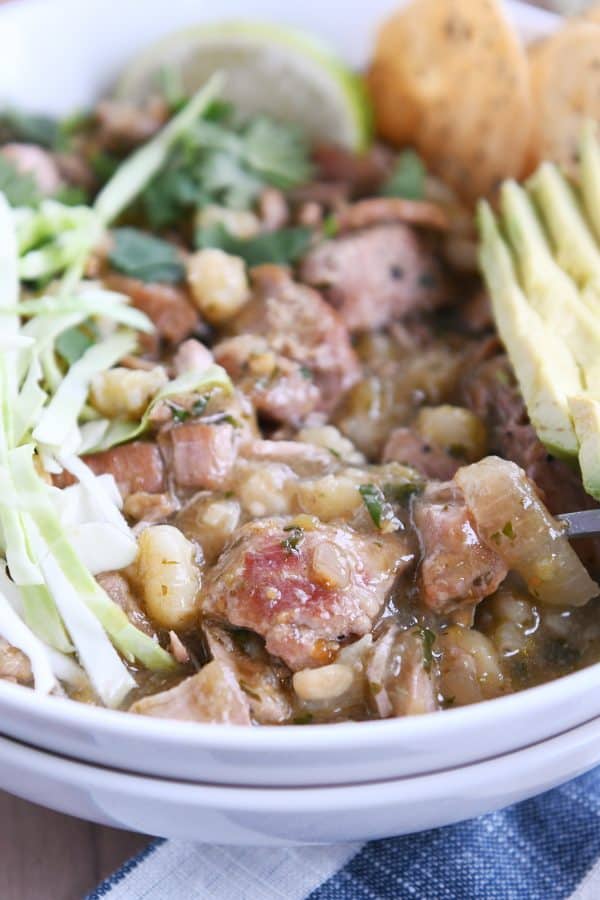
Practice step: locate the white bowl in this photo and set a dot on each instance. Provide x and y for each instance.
(232, 815)
(60, 55)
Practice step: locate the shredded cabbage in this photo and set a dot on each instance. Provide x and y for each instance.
(57, 426)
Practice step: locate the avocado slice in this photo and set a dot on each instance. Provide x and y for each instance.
(549, 290)
(575, 247)
(545, 368)
(589, 169)
(586, 417)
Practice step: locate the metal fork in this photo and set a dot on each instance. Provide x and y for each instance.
(581, 524)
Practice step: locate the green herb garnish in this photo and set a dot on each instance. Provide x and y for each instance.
(199, 405)
(72, 343)
(179, 413)
(401, 491)
(226, 163)
(19, 188)
(304, 719)
(283, 247)
(296, 535)
(428, 638)
(408, 178)
(374, 501)
(30, 129)
(144, 256)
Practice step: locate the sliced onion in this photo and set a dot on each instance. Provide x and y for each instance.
(511, 518)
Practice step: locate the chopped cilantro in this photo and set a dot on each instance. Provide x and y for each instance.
(178, 412)
(277, 151)
(508, 531)
(199, 405)
(225, 162)
(71, 195)
(19, 188)
(292, 541)
(304, 719)
(30, 129)
(330, 226)
(335, 453)
(428, 638)
(144, 256)
(400, 491)
(374, 500)
(408, 178)
(72, 343)
(104, 165)
(306, 373)
(282, 247)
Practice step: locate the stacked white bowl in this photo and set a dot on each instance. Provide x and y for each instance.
(267, 785)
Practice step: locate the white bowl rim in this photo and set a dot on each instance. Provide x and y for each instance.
(278, 738)
(269, 738)
(264, 799)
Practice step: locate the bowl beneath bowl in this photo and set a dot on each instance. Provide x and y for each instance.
(231, 815)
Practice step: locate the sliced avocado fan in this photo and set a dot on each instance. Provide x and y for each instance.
(545, 369)
(541, 263)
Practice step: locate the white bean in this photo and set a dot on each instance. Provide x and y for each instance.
(218, 284)
(126, 392)
(168, 576)
(323, 683)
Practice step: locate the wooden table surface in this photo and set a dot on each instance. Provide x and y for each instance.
(48, 856)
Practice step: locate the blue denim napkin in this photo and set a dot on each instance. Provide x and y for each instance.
(547, 848)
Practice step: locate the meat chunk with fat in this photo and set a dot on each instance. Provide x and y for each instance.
(14, 665)
(406, 446)
(400, 674)
(168, 306)
(120, 592)
(123, 125)
(212, 695)
(136, 467)
(363, 173)
(29, 159)
(302, 590)
(200, 455)
(374, 276)
(261, 679)
(280, 389)
(298, 324)
(457, 569)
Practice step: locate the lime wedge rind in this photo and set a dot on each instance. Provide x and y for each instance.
(296, 77)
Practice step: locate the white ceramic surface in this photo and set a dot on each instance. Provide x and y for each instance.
(228, 815)
(58, 55)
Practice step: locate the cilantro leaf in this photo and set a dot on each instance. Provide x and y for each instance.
(72, 344)
(20, 188)
(408, 178)
(373, 499)
(283, 247)
(294, 539)
(279, 152)
(223, 162)
(30, 129)
(144, 256)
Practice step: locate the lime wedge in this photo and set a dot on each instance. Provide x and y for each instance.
(269, 69)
